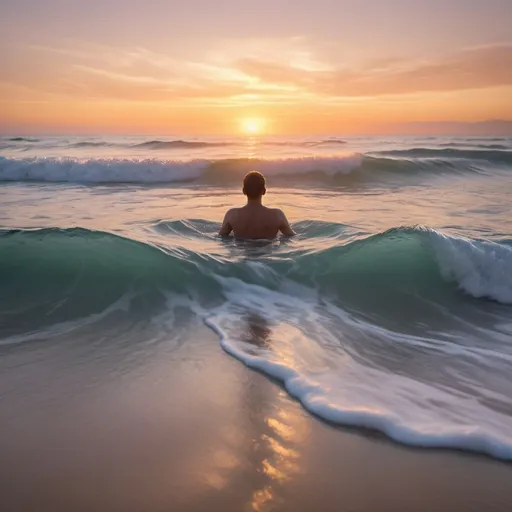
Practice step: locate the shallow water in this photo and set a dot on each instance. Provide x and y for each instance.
(391, 309)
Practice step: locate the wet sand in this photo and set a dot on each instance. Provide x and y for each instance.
(161, 428)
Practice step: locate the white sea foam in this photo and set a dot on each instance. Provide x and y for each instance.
(115, 170)
(99, 170)
(312, 348)
(481, 268)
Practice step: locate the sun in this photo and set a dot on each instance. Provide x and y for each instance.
(252, 126)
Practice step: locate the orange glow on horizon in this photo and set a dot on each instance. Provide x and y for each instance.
(425, 113)
(253, 87)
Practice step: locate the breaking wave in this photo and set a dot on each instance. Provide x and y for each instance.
(318, 320)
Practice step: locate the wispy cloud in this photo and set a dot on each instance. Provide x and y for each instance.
(249, 74)
(474, 68)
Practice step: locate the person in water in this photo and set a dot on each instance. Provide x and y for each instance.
(254, 220)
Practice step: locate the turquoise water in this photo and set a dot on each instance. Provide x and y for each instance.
(391, 309)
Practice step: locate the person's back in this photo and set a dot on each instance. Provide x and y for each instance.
(255, 221)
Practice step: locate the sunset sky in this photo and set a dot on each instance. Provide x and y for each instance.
(274, 66)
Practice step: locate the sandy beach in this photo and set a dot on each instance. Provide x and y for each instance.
(191, 429)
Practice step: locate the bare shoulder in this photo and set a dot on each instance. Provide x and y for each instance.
(284, 225)
(232, 212)
(278, 212)
(230, 218)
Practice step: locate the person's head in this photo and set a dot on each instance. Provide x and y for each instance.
(254, 185)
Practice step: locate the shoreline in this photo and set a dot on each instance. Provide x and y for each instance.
(191, 428)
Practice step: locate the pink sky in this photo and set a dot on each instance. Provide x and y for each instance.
(157, 66)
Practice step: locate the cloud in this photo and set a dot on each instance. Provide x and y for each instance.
(98, 83)
(250, 74)
(142, 75)
(474, 68)
(138, 73)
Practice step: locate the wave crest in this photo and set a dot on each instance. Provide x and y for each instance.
(400, 261)
(116, 170)
(338, 346)
(493, 156)
(180, 144)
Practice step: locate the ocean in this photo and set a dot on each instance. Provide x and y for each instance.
(391, 310)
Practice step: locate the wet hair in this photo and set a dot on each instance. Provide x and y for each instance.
(254, 185)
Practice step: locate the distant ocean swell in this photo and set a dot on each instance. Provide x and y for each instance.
(489, 155)
(413, 162)
(349, 300)
(456, 145)
(28, 143)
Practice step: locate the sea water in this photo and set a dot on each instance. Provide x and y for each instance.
(391, 309)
